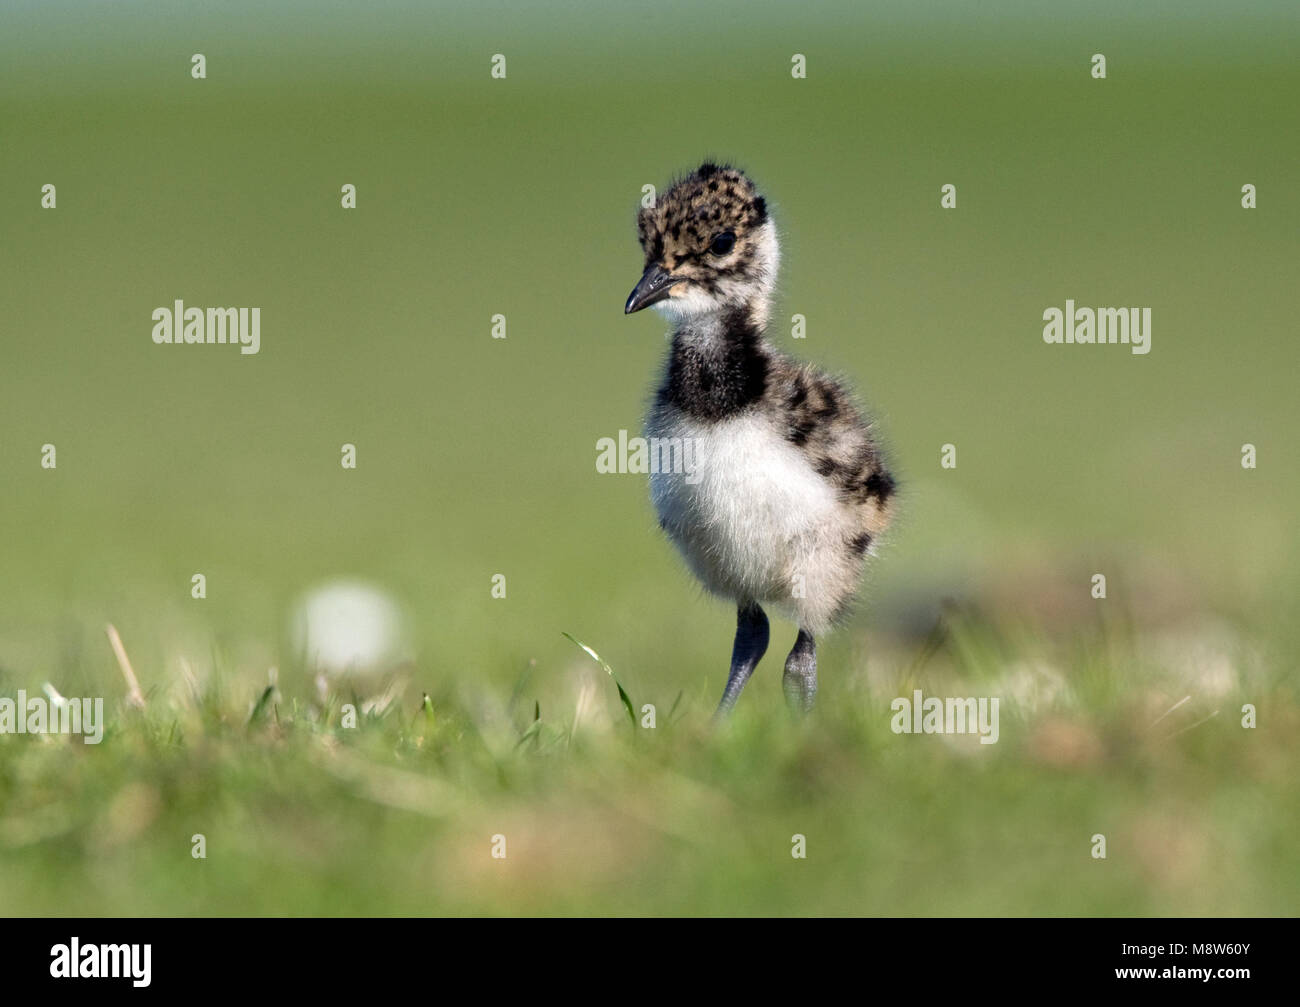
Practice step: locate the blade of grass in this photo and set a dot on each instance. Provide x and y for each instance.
(133, 694)
(260, 705)
(622, 693)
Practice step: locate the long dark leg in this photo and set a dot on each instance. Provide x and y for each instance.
(800, 678)
(751, 644)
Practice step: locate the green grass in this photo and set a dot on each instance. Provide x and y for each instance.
(397, 815)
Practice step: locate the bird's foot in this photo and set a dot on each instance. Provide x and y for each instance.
(800, 678)
(749, 648)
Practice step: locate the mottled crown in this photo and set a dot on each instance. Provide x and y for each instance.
(706, 226)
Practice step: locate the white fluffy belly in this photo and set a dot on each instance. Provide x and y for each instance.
(751, 514)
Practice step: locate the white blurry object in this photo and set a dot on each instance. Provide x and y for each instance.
(348, 627)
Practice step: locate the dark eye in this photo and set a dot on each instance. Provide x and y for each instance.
(722, 243)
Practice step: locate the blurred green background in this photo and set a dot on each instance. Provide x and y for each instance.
(477, 456)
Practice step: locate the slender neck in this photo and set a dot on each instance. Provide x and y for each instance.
(718, 363)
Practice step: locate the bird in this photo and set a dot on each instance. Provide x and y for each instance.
(789, 491)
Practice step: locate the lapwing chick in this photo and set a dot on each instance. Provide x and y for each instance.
(786, 490)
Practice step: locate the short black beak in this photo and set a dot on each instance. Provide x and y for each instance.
(652, 288)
